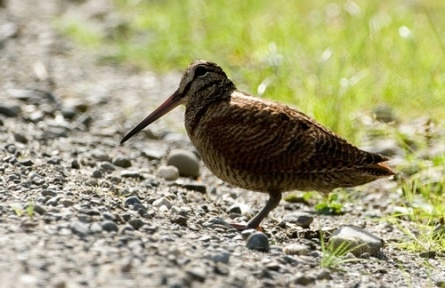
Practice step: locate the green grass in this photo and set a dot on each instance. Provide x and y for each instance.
(333, 59)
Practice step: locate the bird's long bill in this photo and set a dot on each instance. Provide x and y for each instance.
(173, 101)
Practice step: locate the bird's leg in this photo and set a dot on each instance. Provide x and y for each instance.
(254, 223)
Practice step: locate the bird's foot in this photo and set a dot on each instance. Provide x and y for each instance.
(242, 227)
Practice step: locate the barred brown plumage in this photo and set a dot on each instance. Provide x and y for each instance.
(262, 145)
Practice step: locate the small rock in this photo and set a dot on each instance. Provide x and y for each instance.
(197, 273)
(299, 218)
(221, 255)
(75, 164)
(355, 240)
(79, 228)
(296, 249)
(195, 187)
(108, 225)
(136, 223)
(107, 166)
(39, 209)
(55, 160)
(135, 202)
(20, 138)
(26, 162)
(122, 162)
(10, 110)
(152, 154)
(234, 209)
(8, 29)
(49, 193)
(169, 173)
(323, 274)
(162, 202)
(258, 241)
(37, 179)
(178, 219)
(131, 174)
(125, 228)
(186, 162)
(108, 216)
(66, 202)
(97, 174)
(101, 155)
(96, 228)
(36, 116)
(302, 279)
(246, 233)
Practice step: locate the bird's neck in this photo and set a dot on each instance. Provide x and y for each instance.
(197, 106)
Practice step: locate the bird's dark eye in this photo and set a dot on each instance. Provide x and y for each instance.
(201, 71)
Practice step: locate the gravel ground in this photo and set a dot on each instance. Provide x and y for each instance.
(78, 210)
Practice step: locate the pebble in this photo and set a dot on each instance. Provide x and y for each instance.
(108, 225)
(8, 30)
(258, 241)
(296, 249)
(101, 155)
(36, 116)
(10, 110)
(79, 228)
(355, 240)
(302, 279)
(186, 162)
(125, 228)
(220, 255)
(234, 209)
(75, 164)
(131, 174)
(107, 166)
(133, 200)
(96, 228)
(26, 162)
(384, 113)
(55, 160)
(323, 274)
(97, 174)
(136, 223)
(37, 179)
(39, 209)
(162, 202)
(20, 138)
(178, 219)
(195, 187)
(299, 218)
(66, 202)
(153, 154)
(169, 173)
(197, 273)
(122, 162)
(245, 234)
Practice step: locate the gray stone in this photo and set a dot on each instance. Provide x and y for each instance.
(79, 228)
(162, 202)
(384, 113)
(96, 228)
(234, 209)
(186, 162)
(10, 110)
(169, 173)
(75, 164)
(131, 174)
(136, 223)
(197, 273)
(299, 218)
(107, 166)
(123, 162)
(97, 174)
(296, 249)
(55, 160)
(152, 154)
(101, 155)
(302, 279)
(355, 240)
(221, 255)
(26, 162)
(20, 138)
(108, 225)
(195, 187)
(323, 274)
(258, 241)
(247, 232)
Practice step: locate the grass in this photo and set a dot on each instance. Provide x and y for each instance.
(335, 60)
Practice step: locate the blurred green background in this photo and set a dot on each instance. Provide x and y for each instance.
(335, 60)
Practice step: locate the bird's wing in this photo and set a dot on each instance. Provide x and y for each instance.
(267, 137)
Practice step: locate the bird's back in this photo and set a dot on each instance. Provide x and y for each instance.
(263, 146)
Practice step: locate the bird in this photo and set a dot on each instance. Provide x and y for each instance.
(262, 145)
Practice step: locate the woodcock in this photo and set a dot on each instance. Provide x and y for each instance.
(262, 145)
